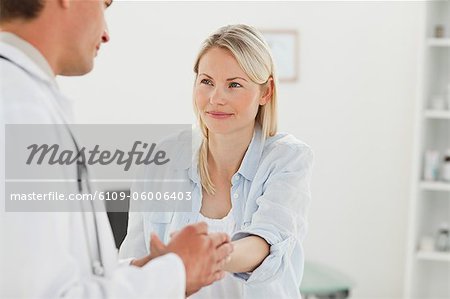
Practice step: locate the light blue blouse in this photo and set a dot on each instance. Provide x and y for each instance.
(270, 195)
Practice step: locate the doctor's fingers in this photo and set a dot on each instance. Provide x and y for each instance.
(157, 247)
(223, 254)
(219, 238)
(191, 231)
(200, 228)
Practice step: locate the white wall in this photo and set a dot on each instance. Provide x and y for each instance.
(353, 104)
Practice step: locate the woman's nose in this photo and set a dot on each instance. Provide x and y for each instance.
(217, 97)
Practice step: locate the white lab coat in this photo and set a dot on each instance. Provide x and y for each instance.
(47, 255)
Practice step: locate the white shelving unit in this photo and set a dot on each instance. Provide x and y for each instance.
(437, 114)
(427, 273)
(439, 42)
(433, 256)
(435, 186)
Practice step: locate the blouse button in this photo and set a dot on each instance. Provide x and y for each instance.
(235, 195)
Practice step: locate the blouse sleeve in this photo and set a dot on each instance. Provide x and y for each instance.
(280, 218)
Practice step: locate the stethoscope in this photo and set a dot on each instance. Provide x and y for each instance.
(82, 172)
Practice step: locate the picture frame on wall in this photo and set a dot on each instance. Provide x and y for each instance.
(285, 49)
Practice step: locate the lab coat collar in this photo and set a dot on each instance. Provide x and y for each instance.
(26, 56)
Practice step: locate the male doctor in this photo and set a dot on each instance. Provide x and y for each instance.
(72, 255)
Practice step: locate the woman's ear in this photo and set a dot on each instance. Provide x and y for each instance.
(267, 92)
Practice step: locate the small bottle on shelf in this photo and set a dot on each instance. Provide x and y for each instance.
(439, 31)
(446, 167)
(443, 238)
(431, 166)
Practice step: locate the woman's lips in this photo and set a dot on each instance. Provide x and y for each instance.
(219, 115)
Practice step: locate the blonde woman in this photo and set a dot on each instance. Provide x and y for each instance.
(247, 180)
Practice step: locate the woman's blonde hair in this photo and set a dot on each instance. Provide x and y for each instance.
(253, 54)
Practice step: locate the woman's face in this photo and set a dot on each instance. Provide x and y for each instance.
(226, 99)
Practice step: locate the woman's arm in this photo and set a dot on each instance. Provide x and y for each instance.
(280, 217)
(248, 254)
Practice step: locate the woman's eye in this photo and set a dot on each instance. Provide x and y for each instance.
(206, 81)
(235, 85)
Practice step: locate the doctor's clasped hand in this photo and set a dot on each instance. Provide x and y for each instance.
(203, 255)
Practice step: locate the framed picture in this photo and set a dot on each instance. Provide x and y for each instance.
(284, 46)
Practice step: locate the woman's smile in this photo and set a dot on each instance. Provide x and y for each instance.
(219, 114)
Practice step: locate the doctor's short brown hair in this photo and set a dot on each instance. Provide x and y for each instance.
(20, 9)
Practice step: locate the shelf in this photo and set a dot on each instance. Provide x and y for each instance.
(435, 186)
(437, 114)
(433, 256)
(438, 42)
(426, 274)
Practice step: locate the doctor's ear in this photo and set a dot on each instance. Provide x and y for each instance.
(267, 92)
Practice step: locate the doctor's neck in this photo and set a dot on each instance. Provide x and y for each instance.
(37, 40)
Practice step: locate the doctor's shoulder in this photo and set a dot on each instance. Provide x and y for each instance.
(23, 99)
